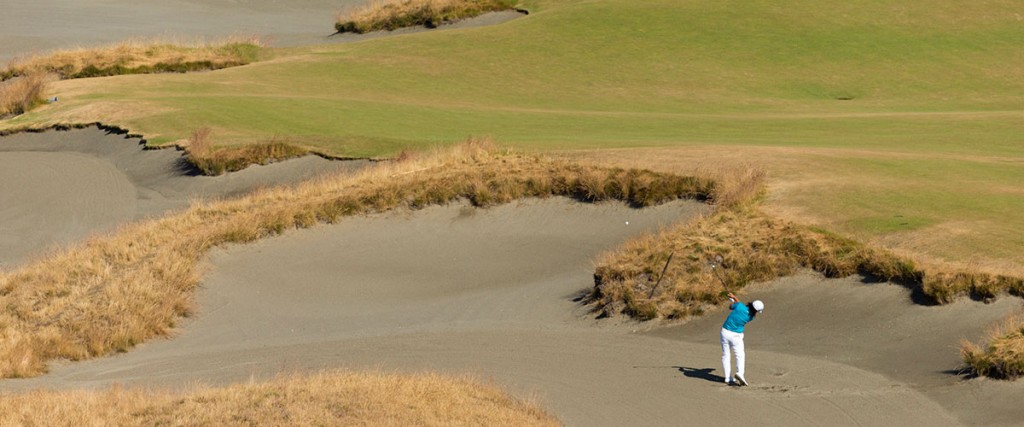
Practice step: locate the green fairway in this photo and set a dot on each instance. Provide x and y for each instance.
(931, 91)
(964, 210)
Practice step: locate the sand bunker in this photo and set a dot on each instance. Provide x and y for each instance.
(491, 292)
(42, 25)
(458, 289)
(61, 186)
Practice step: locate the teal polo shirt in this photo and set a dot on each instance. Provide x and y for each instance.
(738, 318)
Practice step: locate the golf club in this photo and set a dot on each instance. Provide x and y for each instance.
(663, 270)
(714, 262)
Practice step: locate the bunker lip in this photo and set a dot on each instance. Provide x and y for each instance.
(489, 18)
(69, 182)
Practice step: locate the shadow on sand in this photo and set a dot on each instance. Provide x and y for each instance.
(703, 373)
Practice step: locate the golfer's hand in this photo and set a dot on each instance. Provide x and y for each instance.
(732, 297)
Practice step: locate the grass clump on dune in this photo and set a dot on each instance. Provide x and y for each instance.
(113, 292)
(331, 398)
(947, 284)
(1003, 354)
(724, 252)
(733, 248)
(394, 14)
(136, 57)
(22, 94)
(202, 154)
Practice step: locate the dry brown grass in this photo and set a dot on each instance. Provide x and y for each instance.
(394, 14)
(1003, 355)
(945, 284)
(335, 398)
(22, 94)
(211, 161)
(115, 291)
(136, 57)
(755, 247)
(720, 253)
(739, 181)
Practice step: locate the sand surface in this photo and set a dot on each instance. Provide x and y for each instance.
(40, 25)
(58, 187)
(37, 26)
(491, 292)
(456, 289)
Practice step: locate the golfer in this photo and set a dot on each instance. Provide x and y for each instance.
(732, 336)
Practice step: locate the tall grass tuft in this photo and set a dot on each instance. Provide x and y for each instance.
(328, 398)
(20, 95)
(1002, 356)
(394, 14)
(117, 290)
(137, 57)
(202, 154)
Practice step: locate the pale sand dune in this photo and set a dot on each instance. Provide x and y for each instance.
(491, 292)
(59, 187)
(38, 26)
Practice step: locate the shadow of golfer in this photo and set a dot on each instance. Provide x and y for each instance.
(704, 374)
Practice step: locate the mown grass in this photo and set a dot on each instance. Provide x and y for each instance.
(112, 292)
(638, 86)
(21, 95)
(327, 398)
(136, 57)
(899, 200)
(387, 15)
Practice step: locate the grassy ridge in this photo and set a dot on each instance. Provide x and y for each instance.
(135, 57)
(733, 248)
(331, 398)
(201, 154)
(723, 253)
(394, 14)
(113, 292)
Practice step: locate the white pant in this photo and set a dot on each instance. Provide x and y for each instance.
(732, 340)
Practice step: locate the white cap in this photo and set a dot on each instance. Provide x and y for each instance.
(759, 306)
